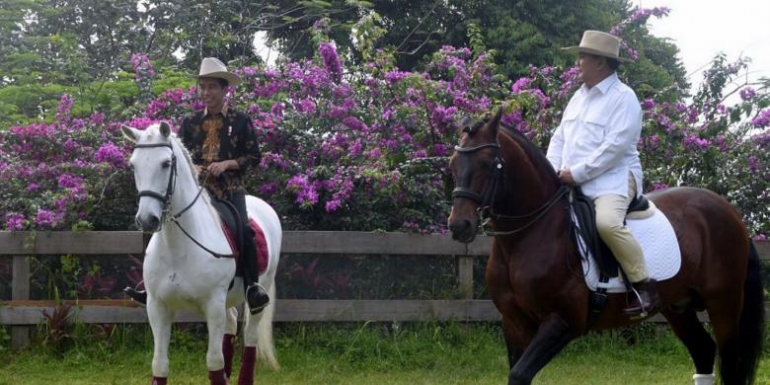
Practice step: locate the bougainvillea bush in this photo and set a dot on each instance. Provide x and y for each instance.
(364, 147)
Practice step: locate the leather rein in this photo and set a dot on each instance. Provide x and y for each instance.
(486, 200)
(166, 215)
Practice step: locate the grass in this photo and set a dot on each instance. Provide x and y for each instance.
(409, 354)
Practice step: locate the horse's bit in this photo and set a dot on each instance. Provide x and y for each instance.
(486, 201)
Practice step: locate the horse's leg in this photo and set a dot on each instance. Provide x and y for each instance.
(216, 315)
(551, 337)
(249, 354)
(698, 342)
(160, 323)
(231, 329)
(264, 328)
(737, 317)
(512, 342)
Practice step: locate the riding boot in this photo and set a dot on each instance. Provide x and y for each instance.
(644, 299)
(139, 296)
(256, 295)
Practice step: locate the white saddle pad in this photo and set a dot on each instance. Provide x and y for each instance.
(660, 247)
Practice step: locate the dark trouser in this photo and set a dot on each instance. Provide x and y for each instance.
(249, 253)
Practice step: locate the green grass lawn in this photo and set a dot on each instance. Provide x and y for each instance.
(409, 354)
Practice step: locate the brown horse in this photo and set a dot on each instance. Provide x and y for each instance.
(534, 272)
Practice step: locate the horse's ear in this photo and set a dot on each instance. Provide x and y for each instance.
(130, 133)
(496, 120)
(494, 124)
(165, 129)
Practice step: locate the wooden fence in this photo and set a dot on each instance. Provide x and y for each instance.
(22, 312)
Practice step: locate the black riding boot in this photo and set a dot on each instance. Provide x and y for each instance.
(256, 295)
(139, 296)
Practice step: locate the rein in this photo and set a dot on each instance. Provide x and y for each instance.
(486, 202)
(539, 213)
(166, 215)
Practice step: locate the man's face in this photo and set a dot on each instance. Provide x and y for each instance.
(212, 93)
(589, 68)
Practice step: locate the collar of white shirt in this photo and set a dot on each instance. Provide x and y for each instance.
(603, 86)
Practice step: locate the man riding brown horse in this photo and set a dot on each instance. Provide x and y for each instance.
(594, 147)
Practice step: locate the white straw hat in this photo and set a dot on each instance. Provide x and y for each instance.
(212, 67)
(599, 43)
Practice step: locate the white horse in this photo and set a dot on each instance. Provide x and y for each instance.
(185, 264)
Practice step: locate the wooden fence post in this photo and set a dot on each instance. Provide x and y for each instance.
(465, 275)
(20, 291)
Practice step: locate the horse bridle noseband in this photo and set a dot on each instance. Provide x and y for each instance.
(486, 201)
(165, 200)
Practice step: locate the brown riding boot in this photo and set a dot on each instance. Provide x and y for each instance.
(643, 299)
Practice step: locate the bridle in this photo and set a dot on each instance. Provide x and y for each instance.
(165, 200)
(486, 201)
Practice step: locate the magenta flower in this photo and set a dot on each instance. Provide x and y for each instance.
(763, 119)
(64, 111)
(110, 153)
(14, 222)
(45, 218)
(354, 123)
(331, 61)
(69, 181)
(747, 94)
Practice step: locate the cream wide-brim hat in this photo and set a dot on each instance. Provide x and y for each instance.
(599, 43)
(212, 67)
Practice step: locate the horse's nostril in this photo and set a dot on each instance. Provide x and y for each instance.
(154, 222)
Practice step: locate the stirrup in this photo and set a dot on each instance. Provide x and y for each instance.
(635, 314)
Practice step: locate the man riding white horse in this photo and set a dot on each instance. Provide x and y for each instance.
(223, 146)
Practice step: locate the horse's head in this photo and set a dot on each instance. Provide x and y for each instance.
(477, 170)
(154, 165)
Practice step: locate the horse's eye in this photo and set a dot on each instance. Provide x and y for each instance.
(166, 164)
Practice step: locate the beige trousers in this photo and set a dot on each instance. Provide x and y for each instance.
(610, 214)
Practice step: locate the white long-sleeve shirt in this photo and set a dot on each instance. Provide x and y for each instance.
(597, 138)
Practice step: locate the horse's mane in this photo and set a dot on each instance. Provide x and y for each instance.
(532, 151)
(186, 154)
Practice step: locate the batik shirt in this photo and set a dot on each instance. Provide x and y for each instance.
(228, 135)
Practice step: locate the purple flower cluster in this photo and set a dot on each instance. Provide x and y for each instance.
(333, 143)
(142, 66)
(112, 154)
(762, 120)
(64, 111)
(331, 61)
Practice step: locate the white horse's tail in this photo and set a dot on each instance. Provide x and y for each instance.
(265, 345)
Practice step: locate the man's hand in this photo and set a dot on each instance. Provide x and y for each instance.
(217, 168)
(565, 176)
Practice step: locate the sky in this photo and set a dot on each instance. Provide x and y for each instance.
(703, 28)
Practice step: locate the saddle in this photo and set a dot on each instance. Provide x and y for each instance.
(583, 223)
(584, 226)
(231, 224)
